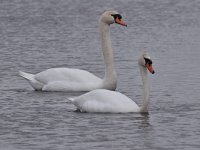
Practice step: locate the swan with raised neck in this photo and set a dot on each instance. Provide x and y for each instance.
(68, 79)
(106, 101)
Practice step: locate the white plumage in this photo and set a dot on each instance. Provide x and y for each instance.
(66, 79)
(63, 79)
(106, 101)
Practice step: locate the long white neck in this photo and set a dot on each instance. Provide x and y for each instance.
(144, 76)
(110, 78)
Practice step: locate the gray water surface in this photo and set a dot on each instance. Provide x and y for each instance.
(40, 34)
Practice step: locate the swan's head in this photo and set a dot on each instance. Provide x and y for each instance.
(145, 61)
(110, 17)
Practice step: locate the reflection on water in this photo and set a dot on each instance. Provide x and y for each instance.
(37, 35)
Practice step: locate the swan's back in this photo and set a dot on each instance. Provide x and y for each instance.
(65, 74)
(105, 101)
(66, 79)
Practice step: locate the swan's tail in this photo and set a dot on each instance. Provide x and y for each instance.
(27, 76)
(30, 77)
(71, 99)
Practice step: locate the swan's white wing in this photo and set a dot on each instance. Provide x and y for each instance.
(65, 74)
(106, 101)
(66, 79)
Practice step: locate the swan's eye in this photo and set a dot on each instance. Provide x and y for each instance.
(115, 16)
(148, 61)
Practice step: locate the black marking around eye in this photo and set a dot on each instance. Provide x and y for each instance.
(117, 16)
(148, 61)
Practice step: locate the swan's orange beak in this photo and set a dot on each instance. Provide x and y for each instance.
(121, 22)
(150, 68)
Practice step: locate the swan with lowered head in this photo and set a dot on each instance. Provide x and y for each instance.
(106, 101)
(67, 79)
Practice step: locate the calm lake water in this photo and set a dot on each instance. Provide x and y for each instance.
(39, 34)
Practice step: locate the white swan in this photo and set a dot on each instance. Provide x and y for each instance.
(66, 79)
(105, 101)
